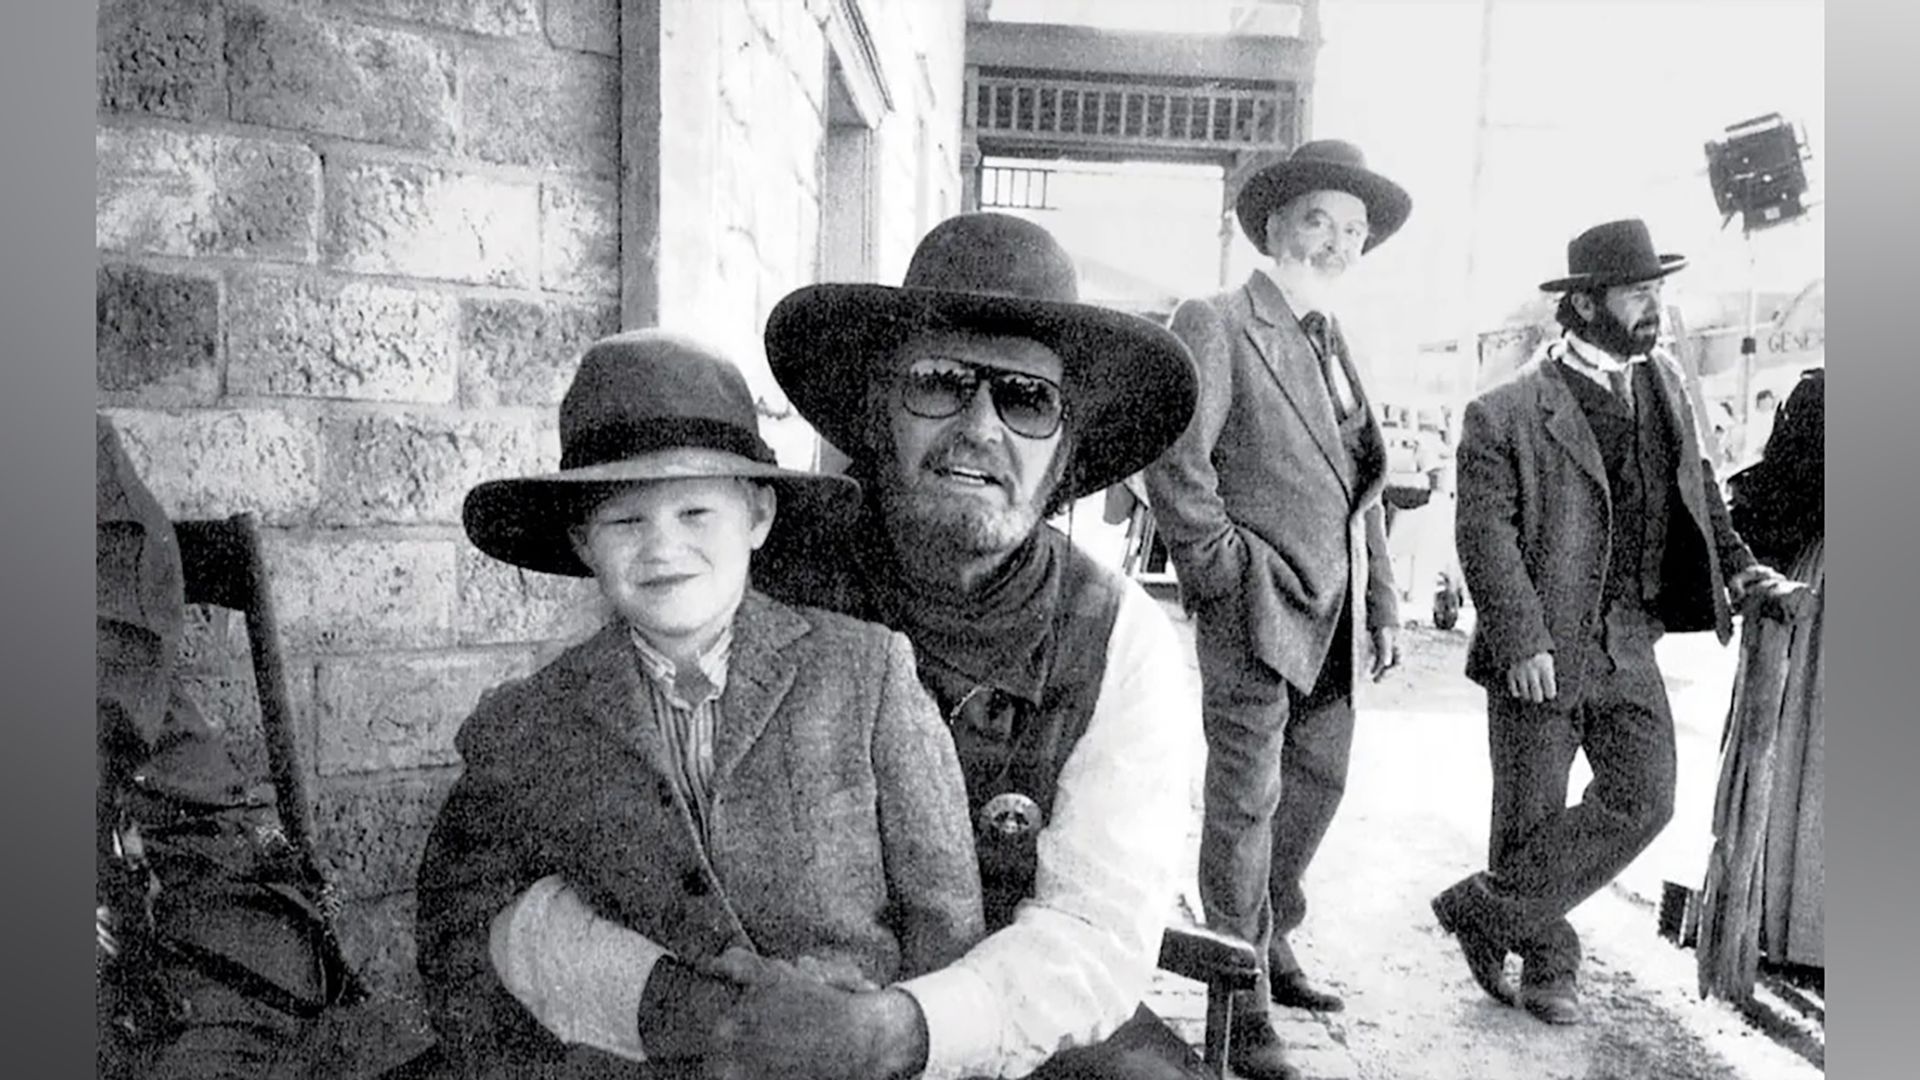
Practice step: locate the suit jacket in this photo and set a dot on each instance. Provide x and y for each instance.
(1259, 499)
(1535, 520)
(839, 824)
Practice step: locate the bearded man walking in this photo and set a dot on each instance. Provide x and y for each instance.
(1589, 524)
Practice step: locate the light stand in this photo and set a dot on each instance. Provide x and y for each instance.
(1756, 172)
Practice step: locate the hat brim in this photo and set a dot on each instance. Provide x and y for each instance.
(1130, 384)
(1388, 204)
(527, 521)
(1575, 282)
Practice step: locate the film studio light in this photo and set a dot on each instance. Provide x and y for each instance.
(1756, 172)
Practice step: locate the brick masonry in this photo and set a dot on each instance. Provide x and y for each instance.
(415, 468)
(158, 334)
(390, 712)
(372, 84)
(371, 830)
(424, 221)
(521, 352)
(349, 252)
(161, 191)
(341, 338)
(161, 58)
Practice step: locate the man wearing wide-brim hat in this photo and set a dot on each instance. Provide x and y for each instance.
(1589, 523)
(714, 769)
(974, 400)
(1270, 508)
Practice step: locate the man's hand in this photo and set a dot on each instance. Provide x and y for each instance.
(1532, 679)
(1386, 650)
(1758, 576)
(788, 1022)
(839, 974)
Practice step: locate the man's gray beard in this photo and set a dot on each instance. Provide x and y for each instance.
(936, 523)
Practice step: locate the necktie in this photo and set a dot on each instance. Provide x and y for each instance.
(1621, 379)
(1319, 332)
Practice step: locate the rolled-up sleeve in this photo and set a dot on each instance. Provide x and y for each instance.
(578, 974)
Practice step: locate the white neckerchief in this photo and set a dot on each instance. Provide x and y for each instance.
(1593, 361)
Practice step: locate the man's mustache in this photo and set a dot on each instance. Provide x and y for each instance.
(955, 455)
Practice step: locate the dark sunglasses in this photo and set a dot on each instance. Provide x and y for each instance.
(936, 387)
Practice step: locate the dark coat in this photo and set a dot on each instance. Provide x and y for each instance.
(1260, 497)
(1535, 517)
(839, 818)
(1779, 502)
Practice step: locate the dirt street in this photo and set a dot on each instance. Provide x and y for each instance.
(1415, 819)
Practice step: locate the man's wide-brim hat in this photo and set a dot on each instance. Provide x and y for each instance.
(1128, 383)
(649, 405)
(1322, 165)
(1616, 253)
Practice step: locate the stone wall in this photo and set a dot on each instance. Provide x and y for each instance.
(348, 253)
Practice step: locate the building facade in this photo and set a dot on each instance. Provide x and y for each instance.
(349, 251)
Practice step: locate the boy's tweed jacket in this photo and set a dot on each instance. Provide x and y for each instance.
(839, 818)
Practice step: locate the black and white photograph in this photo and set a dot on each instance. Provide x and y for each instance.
(871, 539)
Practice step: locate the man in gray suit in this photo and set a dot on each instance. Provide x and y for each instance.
(1589, 524)
(1270, 508)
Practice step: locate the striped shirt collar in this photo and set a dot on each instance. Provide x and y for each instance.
(1593, 361)
(711, 666)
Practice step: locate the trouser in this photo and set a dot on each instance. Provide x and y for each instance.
(1545, 857)
(1276, 771)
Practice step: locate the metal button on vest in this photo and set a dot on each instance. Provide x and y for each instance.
(694, 882)
(1009, 814)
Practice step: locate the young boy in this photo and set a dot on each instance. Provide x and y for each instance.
(714, 769)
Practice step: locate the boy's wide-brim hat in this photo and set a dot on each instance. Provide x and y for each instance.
(650, 405)
(1322, 165)
(1128, 383)
(1615, 253)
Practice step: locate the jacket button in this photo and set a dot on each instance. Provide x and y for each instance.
(694, 882)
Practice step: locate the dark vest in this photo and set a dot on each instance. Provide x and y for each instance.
(1647, 545)
(1009, 744)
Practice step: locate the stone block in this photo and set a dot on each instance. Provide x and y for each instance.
(157, 335)
(230, 701)
(522, 352)
(580, 238)
(377, 937)
(494, 18)
(217, 462)
(332, 77)
(160, 58)
(357, 595)
(300, 336)
(416, 468)
(585, 25)
(380, 713)
(542, 108)
(501, 604)
(371, 832)
(386, 217)
(192, 194)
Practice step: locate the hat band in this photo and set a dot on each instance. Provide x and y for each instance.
(620, 440)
